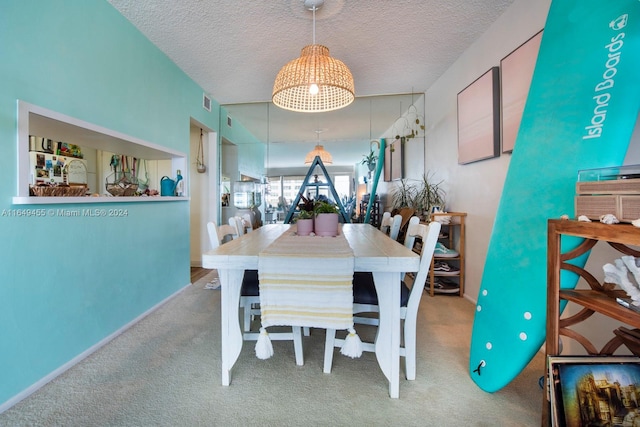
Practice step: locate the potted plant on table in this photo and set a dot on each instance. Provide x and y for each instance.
(327, 219)
(304, 223)
(304, 217)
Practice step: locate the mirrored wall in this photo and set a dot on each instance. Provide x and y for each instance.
(345, 133)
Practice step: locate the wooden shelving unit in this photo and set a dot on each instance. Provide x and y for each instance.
(597, 299)
(454, 238)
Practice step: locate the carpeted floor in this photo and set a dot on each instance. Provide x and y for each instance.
(165, 371)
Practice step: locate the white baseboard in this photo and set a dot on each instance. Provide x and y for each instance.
(468, 298)
(51, 376)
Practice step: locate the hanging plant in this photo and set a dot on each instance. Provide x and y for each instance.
(370, 160)
(200, 166)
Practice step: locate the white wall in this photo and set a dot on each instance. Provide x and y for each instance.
(203, 206)
(474, 188)
(600, 328)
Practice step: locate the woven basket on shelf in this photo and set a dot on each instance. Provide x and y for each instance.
(122, 184)
(57, 191)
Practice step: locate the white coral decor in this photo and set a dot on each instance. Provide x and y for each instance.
(609, 219)
(619, 275)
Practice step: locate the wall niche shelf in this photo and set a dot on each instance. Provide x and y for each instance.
(32, 200)
(35, 120)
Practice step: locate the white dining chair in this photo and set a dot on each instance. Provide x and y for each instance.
(365, 299)
(250, 294)
(248, 222)
(385, 222)
(412, 238)
(394, 230)
(250, 303)
(238, 224)
(391, 225)
(219, 234)
(409, 242)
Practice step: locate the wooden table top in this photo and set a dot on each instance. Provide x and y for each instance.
(372, 249)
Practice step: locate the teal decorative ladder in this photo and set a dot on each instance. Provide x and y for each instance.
(317, 162)
(380, 165)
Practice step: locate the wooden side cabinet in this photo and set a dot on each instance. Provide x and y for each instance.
(453, 237)
(596, 299)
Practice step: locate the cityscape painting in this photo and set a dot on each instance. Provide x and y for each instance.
(595, 391)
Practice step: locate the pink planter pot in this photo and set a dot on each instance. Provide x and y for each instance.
(305, 227)
(326, 224)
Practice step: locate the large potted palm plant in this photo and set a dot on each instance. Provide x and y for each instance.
(428, 195)
(403, 195)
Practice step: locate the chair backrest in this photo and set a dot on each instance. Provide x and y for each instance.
(394, 230)
(406, 214)
(385, 222)
(248, 220)
(410, 239)
(238, 224)
(391, 225)
(219, 234)
(212, 229)
(429, 236)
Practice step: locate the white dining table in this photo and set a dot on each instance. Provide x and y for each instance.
(373, 252)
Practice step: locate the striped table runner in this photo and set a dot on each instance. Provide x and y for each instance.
(306, 281)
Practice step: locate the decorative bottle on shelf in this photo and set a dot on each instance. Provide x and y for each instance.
(179, 184)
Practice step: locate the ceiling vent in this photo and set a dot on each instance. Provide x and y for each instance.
(206, 102)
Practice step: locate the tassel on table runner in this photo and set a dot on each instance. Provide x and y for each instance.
(307, 281)
(264, 349)
(352, 346)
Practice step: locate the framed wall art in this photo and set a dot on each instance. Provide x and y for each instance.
(397, 159)
(387, 163)
(594, 390)
(516, 72)
(394, 160)
(479, 119)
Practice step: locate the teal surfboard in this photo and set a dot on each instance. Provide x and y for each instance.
(580, 113)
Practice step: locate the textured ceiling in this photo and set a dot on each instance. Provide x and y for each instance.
(234, 50)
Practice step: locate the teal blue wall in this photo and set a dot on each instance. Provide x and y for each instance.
(251, 151)
(67, 283)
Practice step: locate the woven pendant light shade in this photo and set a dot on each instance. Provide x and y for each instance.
(319, 150)
(334, 81)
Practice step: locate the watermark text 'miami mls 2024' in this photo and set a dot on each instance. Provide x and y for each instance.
(64, 213)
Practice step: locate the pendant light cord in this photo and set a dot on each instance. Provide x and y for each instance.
(314, 24)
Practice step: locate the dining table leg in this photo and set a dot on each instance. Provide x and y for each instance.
(387, 343)
(231, 337)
